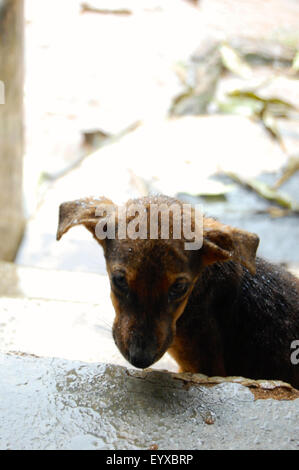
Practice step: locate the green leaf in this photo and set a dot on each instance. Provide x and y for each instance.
(270, 125)
(295, 64)
(234, 62)
(242, 106)
(265, 191)
(289, 170)
(275, 104)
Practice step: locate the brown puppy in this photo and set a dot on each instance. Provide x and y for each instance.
(217, 310)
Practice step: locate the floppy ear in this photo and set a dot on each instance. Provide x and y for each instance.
(224, 243)
(87, 212)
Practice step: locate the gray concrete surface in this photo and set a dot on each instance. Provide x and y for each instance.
(58, 404)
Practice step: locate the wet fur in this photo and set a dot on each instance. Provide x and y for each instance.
(236, 323)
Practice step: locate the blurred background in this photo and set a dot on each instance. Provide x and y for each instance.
(193, 99)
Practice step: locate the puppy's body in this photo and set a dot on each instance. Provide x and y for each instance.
(217, 310)
(236, 323)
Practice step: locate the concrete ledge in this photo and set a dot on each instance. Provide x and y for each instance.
(58, 404)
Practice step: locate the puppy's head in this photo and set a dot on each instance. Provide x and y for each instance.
(152, 275)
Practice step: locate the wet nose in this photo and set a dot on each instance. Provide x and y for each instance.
(141, 356)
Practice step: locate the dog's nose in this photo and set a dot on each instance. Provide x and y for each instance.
(140, 357)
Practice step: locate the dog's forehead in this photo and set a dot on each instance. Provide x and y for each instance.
(156, 256)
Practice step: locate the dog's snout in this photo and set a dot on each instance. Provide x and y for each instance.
(140, 359)
(142, 355)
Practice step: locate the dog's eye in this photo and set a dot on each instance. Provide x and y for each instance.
(177, 290)
(120, 282)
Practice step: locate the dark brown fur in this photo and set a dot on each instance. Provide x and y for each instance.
(238, 315)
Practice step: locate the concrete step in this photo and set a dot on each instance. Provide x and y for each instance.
(59, 404)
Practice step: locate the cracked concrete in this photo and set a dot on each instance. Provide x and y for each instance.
(61, 404)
